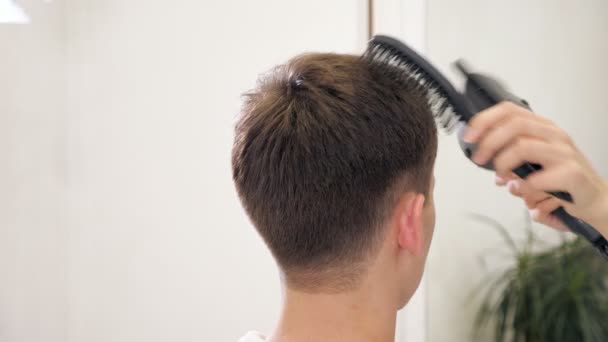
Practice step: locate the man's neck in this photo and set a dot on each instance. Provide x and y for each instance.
(362, 315)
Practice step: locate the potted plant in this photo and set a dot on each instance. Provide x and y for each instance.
(558, 293)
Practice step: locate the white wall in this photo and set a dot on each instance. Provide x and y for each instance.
(118, 219)
(553, 53)
(160, 249)
(32, 177)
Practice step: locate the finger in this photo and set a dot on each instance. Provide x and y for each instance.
(533, 201)
(531, 195)
(514, 187)
(533, 198)
(509, 129)
(481, 122)
(549, 205)
(526, 150)
(556, 178)
(543, 213)
(548, 220)
(500, 181)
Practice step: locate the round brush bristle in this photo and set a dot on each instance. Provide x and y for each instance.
(397, 65)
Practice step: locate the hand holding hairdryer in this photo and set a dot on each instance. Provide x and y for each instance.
(509, 135)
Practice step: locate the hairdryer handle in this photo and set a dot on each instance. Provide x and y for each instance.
(583, 229)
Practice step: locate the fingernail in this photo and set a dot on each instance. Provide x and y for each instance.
(479, 158)
(471, 135)
(499, 180)
(513, 185)
(534, 213)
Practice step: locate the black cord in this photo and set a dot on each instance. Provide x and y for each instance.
(602, 248)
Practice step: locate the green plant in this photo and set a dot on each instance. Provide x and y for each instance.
(556, 294)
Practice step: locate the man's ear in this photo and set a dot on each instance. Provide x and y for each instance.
(410, 225)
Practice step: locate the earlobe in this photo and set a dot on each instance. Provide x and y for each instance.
(410, 225)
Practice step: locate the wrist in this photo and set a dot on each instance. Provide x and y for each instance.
(599, 213)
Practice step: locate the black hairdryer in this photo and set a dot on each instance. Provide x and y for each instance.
(482, 92)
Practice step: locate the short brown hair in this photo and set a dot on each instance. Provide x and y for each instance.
(322, 145)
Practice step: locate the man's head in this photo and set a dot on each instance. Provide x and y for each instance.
(333, 161)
